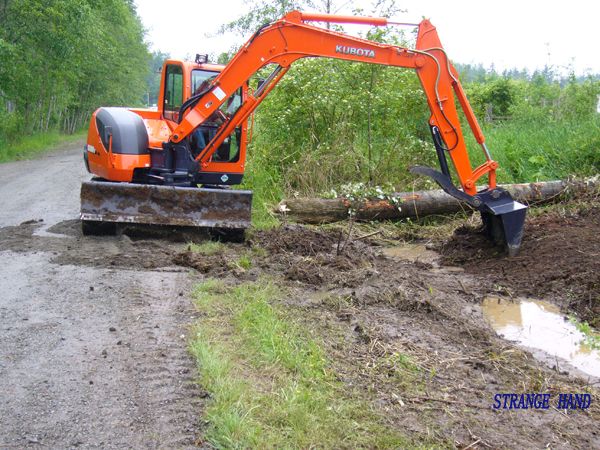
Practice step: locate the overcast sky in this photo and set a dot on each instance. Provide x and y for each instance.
(507, 33)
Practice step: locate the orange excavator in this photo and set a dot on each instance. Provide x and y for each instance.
(175, 165)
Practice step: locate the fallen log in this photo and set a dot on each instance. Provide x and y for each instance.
(418, 203)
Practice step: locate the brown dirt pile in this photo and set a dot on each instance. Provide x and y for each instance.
(317, 257)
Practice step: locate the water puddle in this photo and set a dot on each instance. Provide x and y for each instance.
(412, 252)
(540, 325)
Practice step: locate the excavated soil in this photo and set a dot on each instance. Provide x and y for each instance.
(559, 260)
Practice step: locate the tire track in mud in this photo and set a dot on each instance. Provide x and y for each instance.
(103, 368)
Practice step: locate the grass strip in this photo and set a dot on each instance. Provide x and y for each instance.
(31, 146)
(207, 248)
(270, 383)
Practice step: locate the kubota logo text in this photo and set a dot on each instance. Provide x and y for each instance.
(346, 50)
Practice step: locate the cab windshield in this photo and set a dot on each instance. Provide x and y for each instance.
(229, 150)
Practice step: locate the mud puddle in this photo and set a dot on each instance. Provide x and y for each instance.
(540, 325)
(413, 253)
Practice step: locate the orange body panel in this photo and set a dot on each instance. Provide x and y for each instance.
(147, 113)
(157, 127)
(108, 165)
(158, 132)
(120, 168)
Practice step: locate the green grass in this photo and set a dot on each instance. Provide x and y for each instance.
(592, 338)
(244, 261)
(207, 248)
(267, 187)
(31, 146)
(270, 383)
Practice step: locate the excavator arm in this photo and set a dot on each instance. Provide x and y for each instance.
(284, 41)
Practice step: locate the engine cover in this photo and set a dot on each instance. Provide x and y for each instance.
(129, 135)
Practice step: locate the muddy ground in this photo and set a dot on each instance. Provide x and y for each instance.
(94, 328)
(407, 332)
(559, 260)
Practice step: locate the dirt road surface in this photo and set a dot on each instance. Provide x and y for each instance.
(93, 330)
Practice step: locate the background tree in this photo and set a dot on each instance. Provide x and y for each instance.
(61, 59)
(153, 78)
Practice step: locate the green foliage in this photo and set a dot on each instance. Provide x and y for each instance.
(207, 248)
(359, 191)
(551, 131)
(330, 122)
(266, 183)
(244, 262)
(262, 12)
(61, 59)
(153, 77)
(496, 97)
(535, 151)
(592, 337)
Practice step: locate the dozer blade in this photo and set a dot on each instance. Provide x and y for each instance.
(165, 205)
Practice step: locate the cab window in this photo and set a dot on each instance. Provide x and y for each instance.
(229, 150)
(199, 77)
(173, 92)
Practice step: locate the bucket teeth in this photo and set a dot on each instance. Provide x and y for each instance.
(165, 205)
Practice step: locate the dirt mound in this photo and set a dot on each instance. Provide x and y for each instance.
(560, 256)
(338, 270)
(317, 257)
(201, 263)
(297, 240)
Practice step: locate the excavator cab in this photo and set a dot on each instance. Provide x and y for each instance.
(229, 150)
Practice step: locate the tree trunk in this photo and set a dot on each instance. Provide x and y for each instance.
(416, 204)
(50, 107)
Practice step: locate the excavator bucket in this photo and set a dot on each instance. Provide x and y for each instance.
(127, 203)
(503, 218)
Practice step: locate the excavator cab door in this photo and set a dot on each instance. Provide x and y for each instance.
(173, 92)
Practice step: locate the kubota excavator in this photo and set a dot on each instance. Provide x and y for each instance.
(174, 165)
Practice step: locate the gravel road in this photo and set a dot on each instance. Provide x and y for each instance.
(93, 330)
